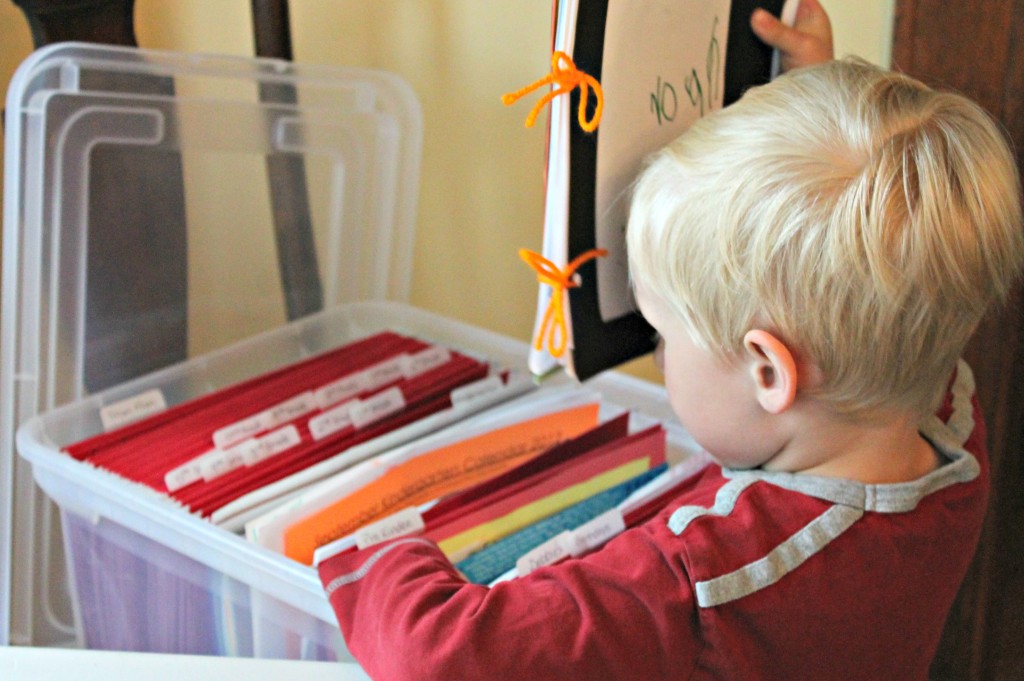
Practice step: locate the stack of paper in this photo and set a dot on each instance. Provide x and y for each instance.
(446, 462)
(573, 491)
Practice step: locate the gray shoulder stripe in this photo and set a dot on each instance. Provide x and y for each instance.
(342, 580)
(725, 501)
(782, 560)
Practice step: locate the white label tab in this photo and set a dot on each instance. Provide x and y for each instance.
(183, 476)
(340, 390)
(385, 372)
(291, 409)
(220, 462)
(132, 409)
(406, 521)
(212, 467)
(239, 431)
(268, 419)
(425, 360)
(551, 551)
(381, 405)
(271, 444)
(596, 532)
(332, 420)
(470, 392)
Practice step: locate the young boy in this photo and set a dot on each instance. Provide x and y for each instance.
(815, 258)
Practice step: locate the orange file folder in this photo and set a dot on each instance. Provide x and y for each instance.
(436, 474)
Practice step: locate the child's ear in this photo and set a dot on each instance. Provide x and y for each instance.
(772, 369)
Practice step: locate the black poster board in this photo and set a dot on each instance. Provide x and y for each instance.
(599, 344)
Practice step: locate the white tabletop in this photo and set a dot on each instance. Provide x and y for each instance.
(34, 664)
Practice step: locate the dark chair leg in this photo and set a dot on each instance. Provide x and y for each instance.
(296, 249)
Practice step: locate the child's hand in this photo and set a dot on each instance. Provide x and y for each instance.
(808, 41)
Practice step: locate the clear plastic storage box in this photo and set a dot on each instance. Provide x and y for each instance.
(102, 142)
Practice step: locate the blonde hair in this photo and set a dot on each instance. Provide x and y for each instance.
(866, 219)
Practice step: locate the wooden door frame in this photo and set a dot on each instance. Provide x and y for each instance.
(984, 636)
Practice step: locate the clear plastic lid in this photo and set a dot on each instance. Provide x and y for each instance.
(158, 206)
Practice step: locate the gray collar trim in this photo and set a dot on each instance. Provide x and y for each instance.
(948, 438)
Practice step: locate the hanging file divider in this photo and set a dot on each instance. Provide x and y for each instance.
(433, 474)
(521, 503)
(206, 498)
(466, 400)
(209, 452)
(147, 449)
(480, 447)
(585, 527)
(361, 350)
(485, 529)
(309, 373)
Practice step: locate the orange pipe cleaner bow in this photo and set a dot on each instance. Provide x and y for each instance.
(560, 280)
(565, 74)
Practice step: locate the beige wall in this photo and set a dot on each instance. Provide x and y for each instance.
(481, 191)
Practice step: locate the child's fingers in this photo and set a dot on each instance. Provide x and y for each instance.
(786, 39)
(813, 21)
(808, 41)
(770, 30)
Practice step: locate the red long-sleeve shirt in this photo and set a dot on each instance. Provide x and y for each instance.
(747, 575)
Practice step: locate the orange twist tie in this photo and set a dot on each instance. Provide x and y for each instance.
(565, 74)
(560, 280)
